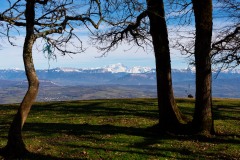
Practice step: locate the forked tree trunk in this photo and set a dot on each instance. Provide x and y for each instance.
(15, 146)
(202, 120)
(169, 115)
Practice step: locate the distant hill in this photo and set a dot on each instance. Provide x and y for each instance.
(112, 74)
(113, 81)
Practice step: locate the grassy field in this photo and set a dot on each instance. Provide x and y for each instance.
(119, 129)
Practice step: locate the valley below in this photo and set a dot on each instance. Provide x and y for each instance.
(65, 93)
(112, 82)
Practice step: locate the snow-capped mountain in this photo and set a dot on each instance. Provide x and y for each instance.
(139, 69)
(117, 68)
(120, 68)
(111, 74)
(113, 68)
(74, 82)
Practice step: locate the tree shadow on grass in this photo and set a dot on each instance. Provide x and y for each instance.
(132, 108)
(83, 129)
(93, 133)
(229, 112)
(37, 156)
(191, 146)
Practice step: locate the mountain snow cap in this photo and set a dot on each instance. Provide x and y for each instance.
(116, 68)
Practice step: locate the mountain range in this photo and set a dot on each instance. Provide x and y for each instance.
(126, 82)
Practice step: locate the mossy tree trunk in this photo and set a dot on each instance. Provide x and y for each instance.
(169, 115)
(202, 120)
(15, 147)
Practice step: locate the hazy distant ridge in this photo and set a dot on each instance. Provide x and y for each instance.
(114, 68)
(113, 81)
(111, 74)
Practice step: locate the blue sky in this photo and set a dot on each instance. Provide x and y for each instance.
(11, 57)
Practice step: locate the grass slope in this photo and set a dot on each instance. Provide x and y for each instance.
(118, 129)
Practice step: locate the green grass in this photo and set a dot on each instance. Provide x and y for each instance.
(118, 129)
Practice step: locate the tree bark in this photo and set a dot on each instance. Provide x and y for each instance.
(202, 120)
(15, 147)
(170, 116)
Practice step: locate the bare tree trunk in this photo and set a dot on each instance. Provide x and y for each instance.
(170, 117)
(202, 120)
(15, 147)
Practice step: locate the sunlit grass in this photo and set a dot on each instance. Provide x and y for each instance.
(119, 129)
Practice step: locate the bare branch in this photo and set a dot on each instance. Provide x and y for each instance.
(55, 17)
(11, 21)
(226, 50)
(227, 38)
(131, 31)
